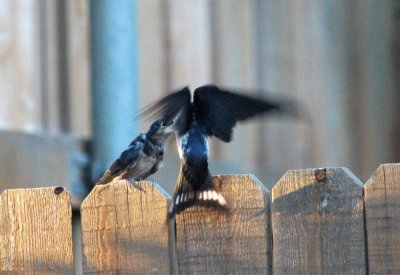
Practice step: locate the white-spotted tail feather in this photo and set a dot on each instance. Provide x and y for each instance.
(206, 198)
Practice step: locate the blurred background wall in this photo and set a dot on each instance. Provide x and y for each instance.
(340, 59)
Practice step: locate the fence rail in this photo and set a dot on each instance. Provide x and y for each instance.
(320, 220)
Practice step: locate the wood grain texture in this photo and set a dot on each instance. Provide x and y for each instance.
(36, 231)
(211, 242)
(382, 209)
(124, 229)
(318, 223)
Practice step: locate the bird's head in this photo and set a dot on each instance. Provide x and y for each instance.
(160, 130)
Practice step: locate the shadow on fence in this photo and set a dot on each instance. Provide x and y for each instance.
(320, 221)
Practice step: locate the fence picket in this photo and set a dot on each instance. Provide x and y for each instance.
(382, 209)
(317, 217)
(124, 229)
(35, 231)
(318, 223)
(211, 242)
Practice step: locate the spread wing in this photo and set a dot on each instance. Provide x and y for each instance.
(176, 106)
(126, 160)
(219, 110)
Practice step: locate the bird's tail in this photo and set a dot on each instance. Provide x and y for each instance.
(185, 196)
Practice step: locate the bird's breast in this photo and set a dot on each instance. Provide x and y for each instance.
(193, 146)
(181, 142)
(147, 161)
(144, 165)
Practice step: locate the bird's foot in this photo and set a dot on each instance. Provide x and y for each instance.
(135, 183)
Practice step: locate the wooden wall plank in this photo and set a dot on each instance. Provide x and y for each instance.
(189, 43)
(282, 147)
(78, 67)
(234, 66)
(65, 67)
(318, 223)
(303, 59)
(36, 231)
(373, 90)
(50, 65)
(20, 104)
(124, 229)
(211, 242)
(152, 50)
(396, 79)
(382, 209)
(335, 55)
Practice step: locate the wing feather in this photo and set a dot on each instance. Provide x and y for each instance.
(127, 159)
(176, 106)
(219, 110)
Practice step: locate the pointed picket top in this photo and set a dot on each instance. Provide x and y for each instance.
(382, 208)
(214, 242)
(36, 231)
(124, 229)
(318, 222)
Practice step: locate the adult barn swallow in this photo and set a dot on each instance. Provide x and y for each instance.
(213, 112)
(143, 157)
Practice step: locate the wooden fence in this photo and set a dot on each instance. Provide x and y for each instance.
(315, 221)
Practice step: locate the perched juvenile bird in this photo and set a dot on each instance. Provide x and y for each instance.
(144, 155)
(213, 112)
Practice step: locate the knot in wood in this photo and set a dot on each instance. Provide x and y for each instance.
(320, 174)
(58, 190)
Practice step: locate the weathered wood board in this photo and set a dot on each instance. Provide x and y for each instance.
(124, 229)
(382, 209)
(36, 231)
(318, 223)
(239, 242)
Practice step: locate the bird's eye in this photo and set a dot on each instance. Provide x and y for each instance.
(163, 124)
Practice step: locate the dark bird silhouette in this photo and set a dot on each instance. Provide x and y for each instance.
(143, 157)
(213, 112)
